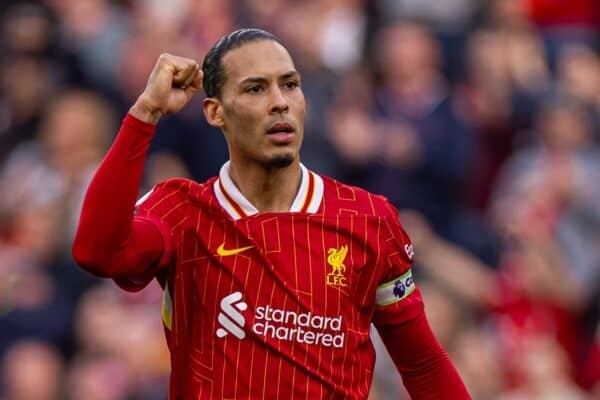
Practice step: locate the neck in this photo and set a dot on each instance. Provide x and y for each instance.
(268, 189)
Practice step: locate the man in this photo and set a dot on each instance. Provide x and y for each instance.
(272, 274)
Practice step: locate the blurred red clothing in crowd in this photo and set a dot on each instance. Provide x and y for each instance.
(551, 13)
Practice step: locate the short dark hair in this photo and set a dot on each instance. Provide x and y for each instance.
(212, 66)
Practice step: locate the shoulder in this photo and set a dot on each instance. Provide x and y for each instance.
(342, 199)
(175, 190)
(183, 185)
(339, 197)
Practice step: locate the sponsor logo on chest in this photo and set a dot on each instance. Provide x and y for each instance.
(275, 323)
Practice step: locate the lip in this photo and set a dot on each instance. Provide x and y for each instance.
(281, 137)
(280, 127)
(281, 133)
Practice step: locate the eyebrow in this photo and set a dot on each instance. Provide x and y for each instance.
(260, 79)
(290, 74)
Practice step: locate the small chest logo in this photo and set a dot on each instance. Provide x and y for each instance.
(335, 258)
(223, 252)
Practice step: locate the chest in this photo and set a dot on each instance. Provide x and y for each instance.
(292, 258)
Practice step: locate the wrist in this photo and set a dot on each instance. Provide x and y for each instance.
(145, 112)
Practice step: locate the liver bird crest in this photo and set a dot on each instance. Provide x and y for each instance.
(336, 259)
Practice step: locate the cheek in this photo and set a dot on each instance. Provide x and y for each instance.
(301, 110)
(243, 113)
(299, 100)
(241, 123)
(297, 106)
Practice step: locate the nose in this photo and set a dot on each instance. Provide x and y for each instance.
(279, 102)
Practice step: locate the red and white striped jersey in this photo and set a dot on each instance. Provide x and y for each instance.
(277, 305)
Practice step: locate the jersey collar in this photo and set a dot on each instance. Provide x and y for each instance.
(308, 199)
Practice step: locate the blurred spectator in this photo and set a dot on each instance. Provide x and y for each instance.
(447, 16)
(486, 104)
(565, 207)
(31, 370)
(549, 210)
(27, 29)
(422, 150)
(268, 14)
(451, 20)
(32, 305)
(93, 32)
(478, 361)
(206, 21)
(25, 83)
(579, 77)
(351, 129)
(138, 352)
(508, 15)
(55, 168)
(43, 182)
(462, 276)
(425, 148)
(505, 74)
(98, 377)
(57, 165)
(342, 34)
(547, 374)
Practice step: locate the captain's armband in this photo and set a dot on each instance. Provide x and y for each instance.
(395, 290)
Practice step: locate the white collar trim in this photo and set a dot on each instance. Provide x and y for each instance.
(308, 199)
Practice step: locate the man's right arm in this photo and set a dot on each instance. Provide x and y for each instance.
(110, 241)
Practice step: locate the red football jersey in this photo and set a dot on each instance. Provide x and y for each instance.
(261, 304)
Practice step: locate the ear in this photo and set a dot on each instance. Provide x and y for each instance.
(213, 111)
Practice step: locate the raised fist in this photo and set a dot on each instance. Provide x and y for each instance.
(171, 85)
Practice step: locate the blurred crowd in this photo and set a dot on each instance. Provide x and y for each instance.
(478, 119)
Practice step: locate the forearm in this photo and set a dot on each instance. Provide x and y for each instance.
(108, 243)
(426, 370)
(462, 272)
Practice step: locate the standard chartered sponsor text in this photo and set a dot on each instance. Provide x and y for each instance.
(305, 328)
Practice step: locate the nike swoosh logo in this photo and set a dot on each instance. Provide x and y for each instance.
(222, 251)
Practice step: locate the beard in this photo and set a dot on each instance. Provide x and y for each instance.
(280, 161)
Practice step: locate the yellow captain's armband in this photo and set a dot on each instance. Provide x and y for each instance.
(395, 290)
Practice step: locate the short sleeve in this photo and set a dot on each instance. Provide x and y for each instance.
(398, 298)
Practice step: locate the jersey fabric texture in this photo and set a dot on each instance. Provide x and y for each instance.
(262, 305)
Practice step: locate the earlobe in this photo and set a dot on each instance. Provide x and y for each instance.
(213, 111)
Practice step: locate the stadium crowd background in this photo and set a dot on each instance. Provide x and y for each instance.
(480, 120)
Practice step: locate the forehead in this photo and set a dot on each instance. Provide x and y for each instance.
(261, 58)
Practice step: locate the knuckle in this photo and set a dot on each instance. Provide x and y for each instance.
(164, 58)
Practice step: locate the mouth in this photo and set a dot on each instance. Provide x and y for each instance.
(280, 127)
(281, 132)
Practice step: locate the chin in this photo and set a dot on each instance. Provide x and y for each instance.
(280, 161)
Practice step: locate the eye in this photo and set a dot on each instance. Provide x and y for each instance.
(292, 84)
(254, 89)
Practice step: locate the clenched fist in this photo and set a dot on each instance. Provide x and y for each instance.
(171, 85)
